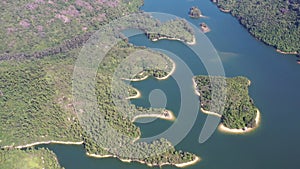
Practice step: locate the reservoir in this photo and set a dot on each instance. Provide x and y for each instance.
(275, 90)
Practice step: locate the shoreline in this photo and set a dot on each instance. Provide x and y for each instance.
(181, 165)
(204, 28)
(277, 50)
(166, 115)
(45, 142)
(136, 80)
(99, 156)
(225, 10)
(210, 113)
(167, 38)
(221, 127)
(158, 78)
(224, 129)
(195, 87)
(138, 95)
(196, 160)
(197, 17)
(286, 53)
(170, 73)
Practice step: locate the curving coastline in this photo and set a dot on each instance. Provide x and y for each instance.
(204, 28)
(211, 113)
(104, 156)
(136, 80)
(221, 126)
(166, 115)
(193, 42)
(138, 95)
(181, 165)
(170, 73)
(225, 10)
(45, 142)
(196, 160)
(224, 129)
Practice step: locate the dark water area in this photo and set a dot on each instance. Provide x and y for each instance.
(275, 89)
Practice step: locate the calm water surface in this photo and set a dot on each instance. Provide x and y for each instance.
(275, 90)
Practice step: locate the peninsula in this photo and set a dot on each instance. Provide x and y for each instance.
(239, 112)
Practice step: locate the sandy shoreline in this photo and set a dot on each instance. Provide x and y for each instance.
(158, 78)
(168, 116)
(181, 165)
(170, 73)
(211, 113)
(45, 142)
(225, 10)
(195, 87)
(167, 38)
(99, 156)
(224, 129)
(138, 95)
(136, 80)
(221, 127)
(205, 29)
(197, 159)
(286, 53)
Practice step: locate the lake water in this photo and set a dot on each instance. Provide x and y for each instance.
(275, 89)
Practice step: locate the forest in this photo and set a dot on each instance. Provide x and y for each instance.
(36, 72)
(37, 101)
(239, 109)
(30, 100)
(28, 159)
(275, 22)
(36, 25)
(123, 130)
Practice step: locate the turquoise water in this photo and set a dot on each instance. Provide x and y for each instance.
(275, 90)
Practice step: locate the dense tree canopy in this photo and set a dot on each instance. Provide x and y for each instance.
(275, 22)
(239, 110)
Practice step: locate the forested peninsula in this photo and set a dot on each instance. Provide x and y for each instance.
(36, 79)
(277, 23)
(239, 112)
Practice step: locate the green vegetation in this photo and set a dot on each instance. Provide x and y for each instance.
(37, 102)
(277, 23)
(120, 120)
(195, 12)
(155, 64)
(28, 159)
(239, 110)
(36, 25)
(173, 29)
(30, 102)
(36, 91)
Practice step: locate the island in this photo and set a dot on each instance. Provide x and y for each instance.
(195, 12)
(204, 27)
(276, 23)
(239, 112)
